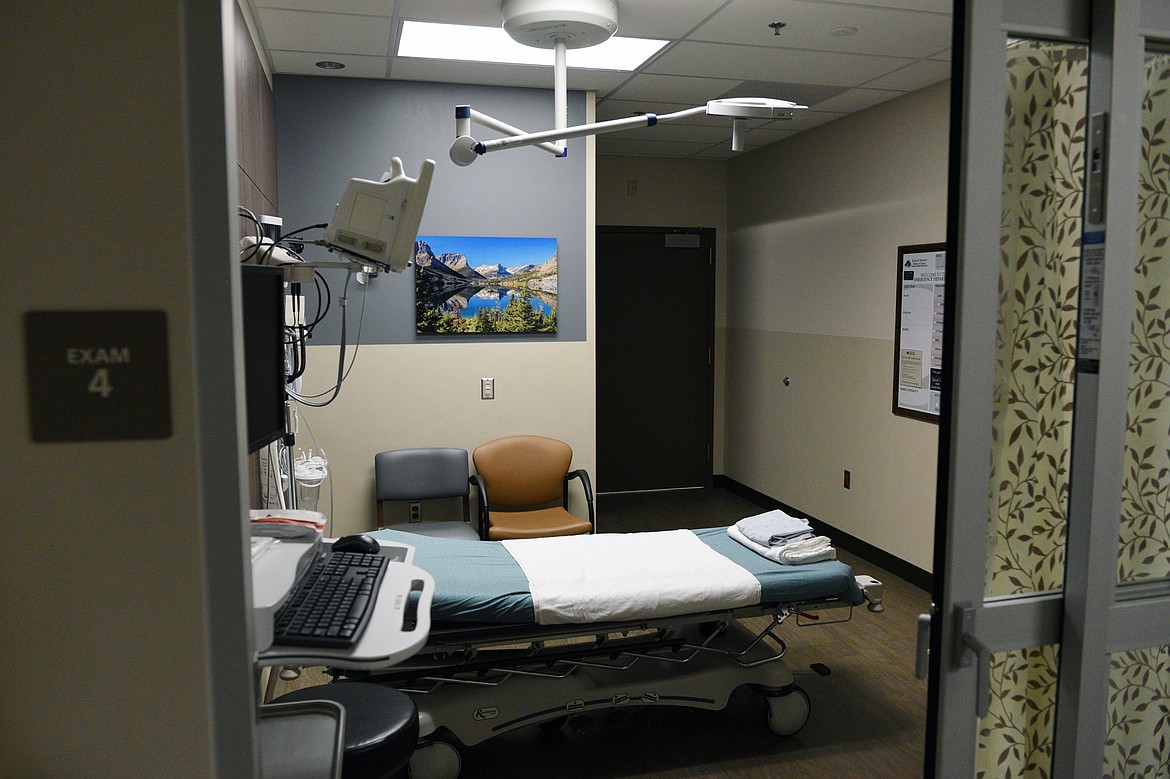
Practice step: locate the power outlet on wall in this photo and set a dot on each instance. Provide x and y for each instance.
(416, 512)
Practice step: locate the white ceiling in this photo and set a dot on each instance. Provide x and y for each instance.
(717, 48)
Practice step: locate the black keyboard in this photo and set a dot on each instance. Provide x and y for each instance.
(332, 603)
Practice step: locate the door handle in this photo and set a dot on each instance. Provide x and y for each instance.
(970, 649)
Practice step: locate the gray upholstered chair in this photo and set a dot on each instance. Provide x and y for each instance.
(416, 475)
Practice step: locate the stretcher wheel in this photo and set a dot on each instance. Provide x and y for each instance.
(788, 713)
(438, 760)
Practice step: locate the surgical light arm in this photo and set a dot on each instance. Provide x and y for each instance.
(466, 148)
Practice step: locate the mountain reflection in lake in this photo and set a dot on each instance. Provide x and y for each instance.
(467, 301)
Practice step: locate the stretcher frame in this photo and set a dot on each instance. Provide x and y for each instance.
(474, 682)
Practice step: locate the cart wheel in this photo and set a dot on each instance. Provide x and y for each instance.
(788, 713)
(438, 760)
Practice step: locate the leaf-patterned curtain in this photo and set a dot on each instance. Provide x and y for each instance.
(1138, 739)
(1040, 241)
(1040, 250)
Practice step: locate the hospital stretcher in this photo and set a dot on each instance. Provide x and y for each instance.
(488, 667)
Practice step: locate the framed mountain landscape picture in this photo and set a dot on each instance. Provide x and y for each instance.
(485, 284)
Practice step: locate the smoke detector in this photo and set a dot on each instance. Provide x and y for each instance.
(579, 23)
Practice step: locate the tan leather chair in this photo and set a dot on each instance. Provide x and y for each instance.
(523, 483)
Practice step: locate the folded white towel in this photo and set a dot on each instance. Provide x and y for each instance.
(811, 550)
(774, 528)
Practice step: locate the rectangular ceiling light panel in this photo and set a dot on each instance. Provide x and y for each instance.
(430, 40)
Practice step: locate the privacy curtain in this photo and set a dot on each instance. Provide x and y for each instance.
(1045, 123)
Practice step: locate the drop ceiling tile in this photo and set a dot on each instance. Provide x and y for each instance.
(881, 31)
(858, 100)
(802, 94)
(919, 75)
(650, 19)
(320, 32)
(937, 6)
(304, 64)
(674, 89)
(612, 108)
(364, 7)
(490, 73)
(748, 63)
(485, 13)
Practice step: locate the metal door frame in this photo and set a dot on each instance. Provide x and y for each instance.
(709, 234)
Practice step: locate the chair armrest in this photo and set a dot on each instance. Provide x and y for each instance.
(586, 485)
(482, 505)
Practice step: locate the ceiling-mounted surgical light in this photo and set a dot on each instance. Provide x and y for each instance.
(564, 24)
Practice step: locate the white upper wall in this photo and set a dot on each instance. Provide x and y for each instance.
(815, 224)
(818, 218)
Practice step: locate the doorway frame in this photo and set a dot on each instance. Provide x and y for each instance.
(709, 475)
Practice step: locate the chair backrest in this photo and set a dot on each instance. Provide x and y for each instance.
(421, 474)
(523, 470)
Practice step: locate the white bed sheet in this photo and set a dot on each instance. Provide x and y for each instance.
(617, 576)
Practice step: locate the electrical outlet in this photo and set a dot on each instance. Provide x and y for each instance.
(845, 482)
(487, 389)
(416, 512)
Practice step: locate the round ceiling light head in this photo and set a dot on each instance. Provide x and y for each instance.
(843, 32)
(579, 23)
(330, 65)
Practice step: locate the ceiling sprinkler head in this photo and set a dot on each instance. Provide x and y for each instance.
(777, 27)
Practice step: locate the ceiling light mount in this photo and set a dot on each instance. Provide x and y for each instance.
(579, 23)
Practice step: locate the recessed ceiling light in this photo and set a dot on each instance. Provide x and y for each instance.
(430, 40)
(843, 32)
(330, 65)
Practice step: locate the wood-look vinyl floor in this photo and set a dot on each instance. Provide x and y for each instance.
(867, 719)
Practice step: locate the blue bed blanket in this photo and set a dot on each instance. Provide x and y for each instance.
(480, 582)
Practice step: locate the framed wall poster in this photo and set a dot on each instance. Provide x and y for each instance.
(918, 330)
(485, 284)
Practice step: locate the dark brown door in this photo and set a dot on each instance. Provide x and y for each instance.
(655, 357)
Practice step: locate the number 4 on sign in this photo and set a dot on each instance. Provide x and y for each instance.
(100, 383)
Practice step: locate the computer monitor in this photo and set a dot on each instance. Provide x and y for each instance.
(262, 293)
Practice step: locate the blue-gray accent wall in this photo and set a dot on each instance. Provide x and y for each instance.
(329, 130)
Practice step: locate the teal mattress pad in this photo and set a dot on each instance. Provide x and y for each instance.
(480, 582)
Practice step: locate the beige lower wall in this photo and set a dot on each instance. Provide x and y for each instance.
(794, 442)
(428, 395)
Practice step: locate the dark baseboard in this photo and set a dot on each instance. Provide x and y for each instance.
(879, 557)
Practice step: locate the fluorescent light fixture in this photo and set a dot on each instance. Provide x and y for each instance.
(430, 40)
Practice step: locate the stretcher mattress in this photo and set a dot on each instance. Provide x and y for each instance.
(480, 582)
